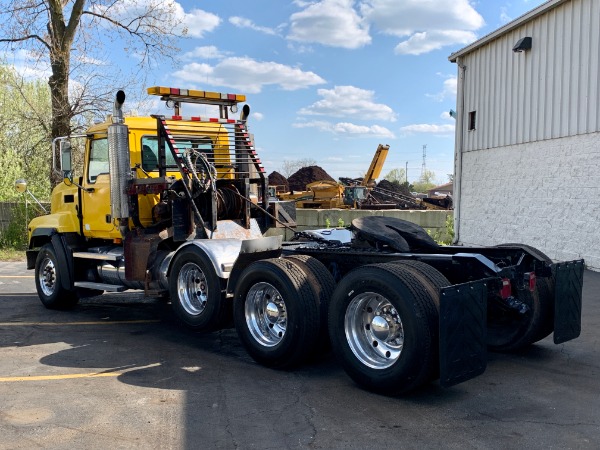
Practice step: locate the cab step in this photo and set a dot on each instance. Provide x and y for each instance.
(98, 256)
(100, 286)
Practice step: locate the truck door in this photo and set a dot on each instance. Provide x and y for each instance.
(97, 220)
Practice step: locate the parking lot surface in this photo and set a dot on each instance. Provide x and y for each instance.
(118, 371)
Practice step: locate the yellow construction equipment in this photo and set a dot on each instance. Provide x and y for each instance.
(376, 165)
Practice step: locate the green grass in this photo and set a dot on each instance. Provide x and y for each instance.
(11, 254)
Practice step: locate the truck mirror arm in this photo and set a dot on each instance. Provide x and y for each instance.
(68, 180)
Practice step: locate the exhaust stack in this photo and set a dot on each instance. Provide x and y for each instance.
(120, 164)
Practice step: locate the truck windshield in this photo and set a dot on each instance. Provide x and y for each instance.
(150, 150)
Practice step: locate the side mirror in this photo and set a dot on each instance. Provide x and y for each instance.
(21, 185)
(65, 159)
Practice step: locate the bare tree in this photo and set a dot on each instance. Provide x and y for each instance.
(290, 167)
(63, 33)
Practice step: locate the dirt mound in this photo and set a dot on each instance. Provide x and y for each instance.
(394, 187)
(306, 175)
(279, 181)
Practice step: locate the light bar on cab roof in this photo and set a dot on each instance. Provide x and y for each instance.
(194, 96)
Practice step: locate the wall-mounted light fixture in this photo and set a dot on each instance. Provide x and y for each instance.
(522, 45)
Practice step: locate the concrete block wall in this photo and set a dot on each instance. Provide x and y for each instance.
(545, 194)
(307, 219)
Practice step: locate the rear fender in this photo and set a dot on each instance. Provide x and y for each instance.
(230, 256)
(222, 253)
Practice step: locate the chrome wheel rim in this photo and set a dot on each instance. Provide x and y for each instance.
(192, 289)
(374, 330)
(266, 314)
(47, 277)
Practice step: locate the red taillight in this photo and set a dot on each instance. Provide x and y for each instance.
(532, 279)
(506, 290)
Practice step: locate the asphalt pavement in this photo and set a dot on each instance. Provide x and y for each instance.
(118, 371)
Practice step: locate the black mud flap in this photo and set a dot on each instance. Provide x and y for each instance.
(463, 331)
(567, 300)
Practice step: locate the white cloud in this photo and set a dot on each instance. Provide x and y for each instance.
(27, 64)
(403, 18)
(349, 101)
(427, 41)
(257, 116)
(445, 129)
(242, 22)
(248, 75)
(334, 23)
(194, 23)
(197, 21)
(429, 25)
(448, 90)
(207, 52)
(423, 25)
(85, 59)
(346, 128)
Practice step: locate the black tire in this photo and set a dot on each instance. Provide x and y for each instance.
(400, 235)
(433, 279)
(430, 273)
(324, 285)
(48, 283)
(506, 334)
(276, 313)
(195, 289)
(375, 352)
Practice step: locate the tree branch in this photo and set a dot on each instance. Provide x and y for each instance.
(73, 24)
(114, 22)
(26, 38)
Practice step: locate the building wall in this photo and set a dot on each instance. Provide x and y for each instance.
(546, 194)
(530, 171)
(548, 92)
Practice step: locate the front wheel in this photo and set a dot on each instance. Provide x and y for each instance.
(47, 281)
(383, 324)
(196, 295)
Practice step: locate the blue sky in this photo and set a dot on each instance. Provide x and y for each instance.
(331, 79)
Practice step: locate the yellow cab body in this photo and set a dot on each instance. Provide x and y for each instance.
(96, 219)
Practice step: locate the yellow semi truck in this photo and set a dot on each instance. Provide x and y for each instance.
(179, 207)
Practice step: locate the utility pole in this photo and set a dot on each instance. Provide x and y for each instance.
(424, 167)
(406, 172)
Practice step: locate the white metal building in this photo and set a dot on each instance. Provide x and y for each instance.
(527, 155)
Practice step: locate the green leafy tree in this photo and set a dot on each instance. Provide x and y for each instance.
(25, 110)
(396, 175)
(426, 181)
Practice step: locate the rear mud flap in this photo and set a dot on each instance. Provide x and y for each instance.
(567, 300)
(463, 331)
